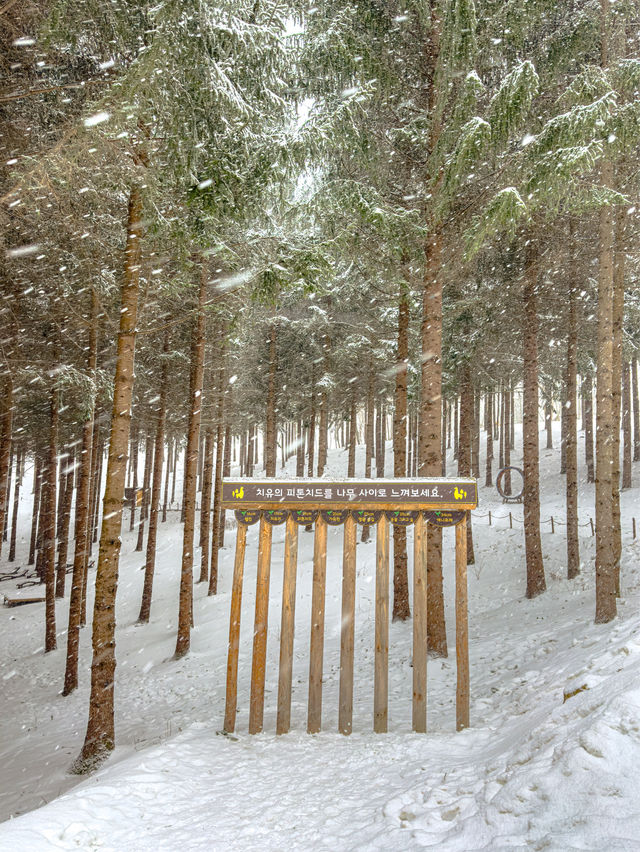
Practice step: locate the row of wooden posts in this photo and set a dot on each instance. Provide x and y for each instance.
(316, 641)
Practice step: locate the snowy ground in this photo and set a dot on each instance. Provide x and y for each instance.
(531, 773)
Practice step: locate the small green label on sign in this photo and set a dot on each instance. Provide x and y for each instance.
(401, 517)
(247, 516)
(366, 516)
(304, 517)
(444, 518)
(275, 516)
(335, 517)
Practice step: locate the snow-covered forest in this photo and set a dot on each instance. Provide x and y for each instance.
(365, 240)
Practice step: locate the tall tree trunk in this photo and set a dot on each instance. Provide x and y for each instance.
(506, 486)
(146, 478)
(563, 425)
(466, 441)
(353, 434)
(429, 444)
(5, 532)
(37, 487)
(82, 546)
(165, 499)
(626, 425)
(401, 610)
(636, 409)
(16, 502)
(571, 441)
(185, 611)
(49, 527)
(475, 445)
(205, 509)
(6, 434)
(488, 481)
(616, 378)
(300, 451)
(536, 583)
(226, 469)
(587, 417)
(158, 453)
(323, 430)
(312, 425)
(270, 435)
(174, 470)
(96, 474)
(369, 439)
(217, 479)
(100, 736)
(548, 417)
(133, 472)
(66, 497)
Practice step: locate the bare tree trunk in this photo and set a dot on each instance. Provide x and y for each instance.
(466, 441)
(270, 434)
(475, 446)
(82, 546)
(16, 501)
(536, 583)
(205, 509)
(49, 527)
(100, 736)
(37, 478)
(489, 460)
(174, 470)
(158, 453)
(369, 440)
(66, 497)
(616, 378)
(96, 472)
(587, 417)
(312, 425)
(323, 431)
(563, 426)
(401, 610)
(166, 483)
(626, 425)
(6, 434)
(226, 471)
(133, 470)
(548, 417)
(185, 611)
(506, 486)
(501, 426)
(429, 446)
(146, 478)
(571, 442)
(636, 409)
(217, 479)
(300, 451)
(351, 464)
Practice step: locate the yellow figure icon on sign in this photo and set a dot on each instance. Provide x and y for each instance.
(238, 493)
(459, 494)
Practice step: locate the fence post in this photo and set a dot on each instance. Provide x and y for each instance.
(510, 521)
(490, 519)
(553, 529)
(592, 530)
(633, 527)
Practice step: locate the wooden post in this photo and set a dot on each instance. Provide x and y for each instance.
(381, 677)
(256, 707)
(462, 629)
(314, 714)
(287, 625)
(345, 709)
(234, 632)
(420, 625)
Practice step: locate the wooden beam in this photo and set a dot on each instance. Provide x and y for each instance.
(345, 707)
(420, 625)
(462, 628)
(258, 664)
(234, 632)
(316, 652)
(381, 675)
(287, 627)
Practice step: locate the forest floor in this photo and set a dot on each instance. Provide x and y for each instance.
(533, 771)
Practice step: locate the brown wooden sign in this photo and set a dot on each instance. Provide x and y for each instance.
(367, 516)
(401, 517)
(444, 518)
(304, 517)
(335, 517)
(247, 516)
(320, 493)
(275, 516)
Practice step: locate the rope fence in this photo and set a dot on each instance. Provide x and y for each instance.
(552, 520)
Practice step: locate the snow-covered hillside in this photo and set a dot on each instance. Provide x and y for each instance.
(534, 771)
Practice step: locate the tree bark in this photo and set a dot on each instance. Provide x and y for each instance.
(205, 509)
(16, 501)
(616, 378)
(488, 480)
(587, 417)
(100, 736)
(6, 435)
(185, 610)
(351, 464)
(369, 440)
(217, 480)
(82, 546)
(548, 417)
(37, 477)
(158, 453)
(506, 482)
(636, 409)
(429, 443)
(401, 610)
(49, 527)
(146, 478)
(466, 441)
(133, 472)
(270, 436)
(536, 583)
(571, 441)
(66, 497)
(626, 425)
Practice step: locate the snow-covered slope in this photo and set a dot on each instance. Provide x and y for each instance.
(535, 771)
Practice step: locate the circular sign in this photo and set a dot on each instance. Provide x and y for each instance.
(304, 517)
(444, 517)
(335, 517)
(401, 517)
(247, 516)
(500, 477)
(275, 516)
(366, 516)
